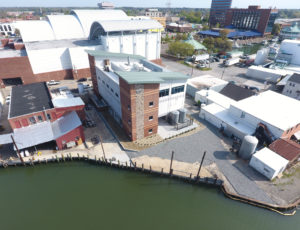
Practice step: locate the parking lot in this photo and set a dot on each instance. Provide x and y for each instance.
(232, 73)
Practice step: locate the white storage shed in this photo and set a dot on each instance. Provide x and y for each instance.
(268, 163)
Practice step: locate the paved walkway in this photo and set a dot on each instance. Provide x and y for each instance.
(190, 149)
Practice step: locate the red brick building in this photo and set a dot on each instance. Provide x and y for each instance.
(37, 118)
(253, 18)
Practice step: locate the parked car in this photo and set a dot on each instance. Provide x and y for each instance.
(7, 99)
(217, 59)
(82, 79)
(53, 82)
(200, 65)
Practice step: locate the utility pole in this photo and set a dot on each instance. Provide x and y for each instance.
(18, 151)
(198, 174)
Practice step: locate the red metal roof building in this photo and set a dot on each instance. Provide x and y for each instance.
(288, 149)
(37, 117)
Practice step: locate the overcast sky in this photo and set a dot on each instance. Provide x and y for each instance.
(150, 3)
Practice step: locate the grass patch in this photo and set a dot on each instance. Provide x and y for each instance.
(204, 68)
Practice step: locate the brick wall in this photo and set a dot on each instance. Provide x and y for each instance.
(289, 133)
(129, 98)
(93, 75)
(20, 67)
(264, 19)
(157, 61)
(16, 67)
(74, 135)
(21, 120)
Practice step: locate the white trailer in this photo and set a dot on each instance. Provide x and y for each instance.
(232, 61)
(201, 57)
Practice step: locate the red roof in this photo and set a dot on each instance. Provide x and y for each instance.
(288, 149)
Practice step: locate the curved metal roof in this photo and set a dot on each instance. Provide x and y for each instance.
(35, 30)
(74, 26)
(123, 25)
(87, 17)
(66, 26)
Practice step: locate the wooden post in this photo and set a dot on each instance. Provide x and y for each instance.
(18, 151)
(134, 165)
(150, 169)
(198, 174)
(102, 146)
(162, 171)
(171, 163)
(143, 167)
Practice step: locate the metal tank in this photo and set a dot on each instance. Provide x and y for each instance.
(182, 115)
(248, 147)
(80, 88)
(174, 117)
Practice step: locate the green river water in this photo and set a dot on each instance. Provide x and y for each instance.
(83, 196)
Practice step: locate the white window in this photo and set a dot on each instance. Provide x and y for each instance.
(150, 118)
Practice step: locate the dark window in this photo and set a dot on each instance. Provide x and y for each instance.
(164, 92)
(32, 120)
(103, 82)
(178, 89)
(107, 86)
(9, 28)
(128, 107)
(111, 90)
(5, 28)
(151, 103)
(150, 131)
(48, 116)
(129, 121)
(1, 28)
(40, 119)
(117, 95)
(150, 118)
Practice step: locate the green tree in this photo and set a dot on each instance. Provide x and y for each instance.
(276, 29)
(224, 33)
(180, 48)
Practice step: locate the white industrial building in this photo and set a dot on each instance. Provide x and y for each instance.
(55, 46)
(279, 113)
(268, 163)
(137, 91)
(292, 87)
(196, 84)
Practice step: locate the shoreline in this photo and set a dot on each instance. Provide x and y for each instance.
(286, 210)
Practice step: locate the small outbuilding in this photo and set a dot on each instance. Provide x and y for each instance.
(268, 163)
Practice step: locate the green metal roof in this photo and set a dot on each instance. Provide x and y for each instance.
(194, 43)
(150, 77)
(105, 54)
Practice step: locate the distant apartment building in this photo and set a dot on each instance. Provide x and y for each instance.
(106, 5)
(37, 116)
(253, 18)
(218, 11)
(156, 15)
(292, 87)
(137, 91)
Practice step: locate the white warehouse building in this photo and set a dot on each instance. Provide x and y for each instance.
(279, 114)
(55, 46)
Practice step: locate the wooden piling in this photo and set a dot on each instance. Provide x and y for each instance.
(143, 167)
(162, 171)
(171, 163)
(150, 169)
(198, 174)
